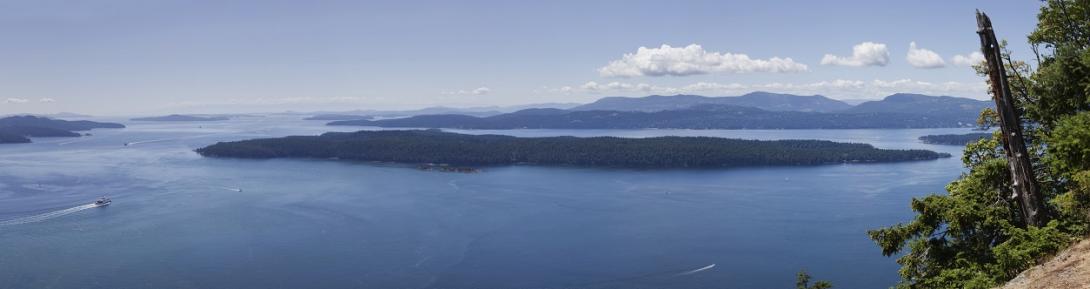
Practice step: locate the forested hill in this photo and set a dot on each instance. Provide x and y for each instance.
(698, 117)
(923, 104)
(432, 146)
(17, 129)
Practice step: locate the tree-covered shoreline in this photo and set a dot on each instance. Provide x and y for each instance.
(954, 139)
(432, 146)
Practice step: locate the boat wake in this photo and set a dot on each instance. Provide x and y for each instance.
(46, 216)
(237, 190)
(170, 139)
(697, 270)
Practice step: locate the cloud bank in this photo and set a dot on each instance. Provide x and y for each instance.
(863, 54)
(923, 58)
(476, 91)
(968, 60)
(690, 60)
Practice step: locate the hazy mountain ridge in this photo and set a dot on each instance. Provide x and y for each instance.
(759, 99)
(481, 111)
(896, 111)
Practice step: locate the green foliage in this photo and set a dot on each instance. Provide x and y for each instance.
(974, 236)
(1069, 145)
(803, 282)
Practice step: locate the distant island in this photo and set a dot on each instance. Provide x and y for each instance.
(433, 146)
(337, 117)
(954, 139)
(19, 129)
(777, 111)
(180, 117)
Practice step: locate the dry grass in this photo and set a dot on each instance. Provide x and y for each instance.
(1069, 269)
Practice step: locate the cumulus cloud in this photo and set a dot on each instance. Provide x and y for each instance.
(968, 60)
(16, 100)
(839, 88)
(863, 54)
(923, 58)
(46, 99)
(480, 90)
(693, 59)
(476, 91)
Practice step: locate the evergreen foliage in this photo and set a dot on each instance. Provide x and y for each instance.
(803, 282)
(974, 236)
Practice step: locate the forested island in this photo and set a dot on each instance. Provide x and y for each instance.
(433, 146)
(18, 129)
(180, 117)
(954, 139)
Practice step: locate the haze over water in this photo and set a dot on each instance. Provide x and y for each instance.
(183, 221)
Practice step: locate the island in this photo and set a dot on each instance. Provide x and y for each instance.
(438, 147)
(954, 139)
(180, 117)
(337, 117)
(18, 129)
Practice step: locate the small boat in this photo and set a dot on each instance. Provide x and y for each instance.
(103, 201)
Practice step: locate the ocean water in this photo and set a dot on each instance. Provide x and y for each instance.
(183, 221)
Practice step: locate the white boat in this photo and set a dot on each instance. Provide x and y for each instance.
(103, 201)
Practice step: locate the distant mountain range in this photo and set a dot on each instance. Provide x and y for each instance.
(17, 129)
(763, 100)
(699, 112)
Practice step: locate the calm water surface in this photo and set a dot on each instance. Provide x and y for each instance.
(183, 221)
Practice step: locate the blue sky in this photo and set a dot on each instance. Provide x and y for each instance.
(146, 56)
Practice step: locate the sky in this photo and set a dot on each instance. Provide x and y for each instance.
(129, 57)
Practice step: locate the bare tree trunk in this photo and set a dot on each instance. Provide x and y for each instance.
(1024, 183)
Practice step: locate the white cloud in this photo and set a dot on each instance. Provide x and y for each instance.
(923, 58)
(690, 60)
(481, 90)
(863, 54)
(476, 91)
(16, 100)
(968, 60)
(594, 86)
(839, 88)
(46, 99)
